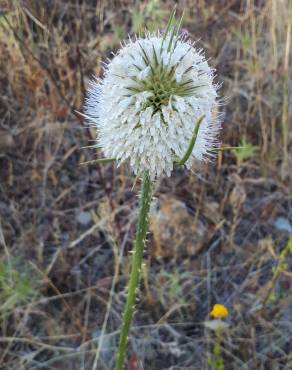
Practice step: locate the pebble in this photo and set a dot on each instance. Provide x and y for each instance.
(283, 224)
(84, 218)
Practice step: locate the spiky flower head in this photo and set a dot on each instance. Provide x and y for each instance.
(146, 106)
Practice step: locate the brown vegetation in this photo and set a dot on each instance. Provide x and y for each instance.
(219, 234)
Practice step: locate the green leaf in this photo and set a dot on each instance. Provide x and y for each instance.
(245, 151)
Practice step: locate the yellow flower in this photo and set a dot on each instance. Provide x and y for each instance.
(219, 311)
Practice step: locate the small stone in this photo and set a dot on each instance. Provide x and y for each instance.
(283, 224)
(6, 141)
(84, 218)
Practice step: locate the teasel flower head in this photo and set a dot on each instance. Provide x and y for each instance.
(146, 106)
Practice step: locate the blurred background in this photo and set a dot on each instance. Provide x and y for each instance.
(219, 234)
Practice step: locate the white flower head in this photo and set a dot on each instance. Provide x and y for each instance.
(147, 104)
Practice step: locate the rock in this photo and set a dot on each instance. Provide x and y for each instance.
(84, 218)
(6, 141)
(175, 231)
(283, 224)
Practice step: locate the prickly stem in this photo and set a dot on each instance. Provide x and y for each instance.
(145, 199)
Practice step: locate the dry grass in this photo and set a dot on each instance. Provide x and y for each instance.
(66, 229)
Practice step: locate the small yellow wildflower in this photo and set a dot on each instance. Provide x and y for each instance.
(219, 311)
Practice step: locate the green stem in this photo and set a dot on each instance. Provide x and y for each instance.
(145, 199)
